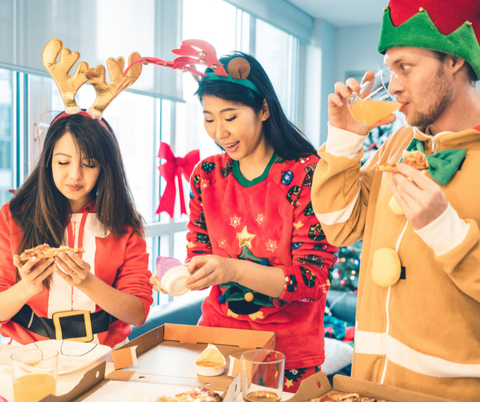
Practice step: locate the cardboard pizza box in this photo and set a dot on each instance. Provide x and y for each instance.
(166, 355)
(318, 385)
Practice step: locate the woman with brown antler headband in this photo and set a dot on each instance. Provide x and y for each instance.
(76, 200)
(253, 235)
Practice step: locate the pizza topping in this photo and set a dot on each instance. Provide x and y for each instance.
(346, 397)
(199, 394)
(417, 160)
(45, 251)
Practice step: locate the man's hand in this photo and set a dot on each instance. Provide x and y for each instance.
(421, 199)
(338, 113)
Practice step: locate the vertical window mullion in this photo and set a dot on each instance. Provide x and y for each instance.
(253, 36)
(16, 136)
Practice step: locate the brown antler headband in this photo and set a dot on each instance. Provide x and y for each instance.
(68, 86)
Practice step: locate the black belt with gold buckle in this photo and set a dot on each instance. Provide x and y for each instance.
(76, 325)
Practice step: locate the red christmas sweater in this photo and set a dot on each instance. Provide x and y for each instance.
(121, 263)
(269, 221)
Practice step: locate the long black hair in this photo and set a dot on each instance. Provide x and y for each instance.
(42, 211)
(287, 140)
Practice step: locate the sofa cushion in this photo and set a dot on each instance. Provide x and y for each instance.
(181, 311)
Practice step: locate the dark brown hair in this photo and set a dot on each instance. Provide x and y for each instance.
(42, 211)
(287, 140)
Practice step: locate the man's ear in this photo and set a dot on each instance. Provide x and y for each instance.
(265, 112)
(455, 63)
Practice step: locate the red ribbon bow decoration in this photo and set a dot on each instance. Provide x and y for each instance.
(175, 167)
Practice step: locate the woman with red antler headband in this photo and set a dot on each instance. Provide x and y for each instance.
(76, 196)
(253, 236)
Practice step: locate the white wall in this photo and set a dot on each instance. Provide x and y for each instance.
(319, 73)
(356, 49)
(332, 53)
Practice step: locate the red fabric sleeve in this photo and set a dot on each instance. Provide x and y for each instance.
(133, 277)
(197, 236)
(7, 269)
(312, 255)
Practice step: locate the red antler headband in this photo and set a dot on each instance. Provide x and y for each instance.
(198, 52)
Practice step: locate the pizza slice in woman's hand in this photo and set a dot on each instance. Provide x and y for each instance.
(45, 251)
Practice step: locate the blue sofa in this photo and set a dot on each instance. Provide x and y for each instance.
(189, 312)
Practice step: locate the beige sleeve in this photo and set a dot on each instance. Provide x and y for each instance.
(340, 194)
(341, 189)
(462, 262)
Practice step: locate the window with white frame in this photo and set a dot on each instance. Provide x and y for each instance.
(6, 135)
(29, 102)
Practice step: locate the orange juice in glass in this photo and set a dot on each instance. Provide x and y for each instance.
(373, 102)
(34, 374)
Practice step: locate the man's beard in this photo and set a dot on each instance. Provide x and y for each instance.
(422, 120)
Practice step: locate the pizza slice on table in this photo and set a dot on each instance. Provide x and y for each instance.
(199, 394)
(417, 160)
(45, 251)
(346, 397)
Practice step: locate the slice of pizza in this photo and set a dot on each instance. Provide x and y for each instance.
(351, 397)
(346, 397)
(45, 251)
(416, 159)
(195, 394)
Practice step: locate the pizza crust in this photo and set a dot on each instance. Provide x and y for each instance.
(195, 394)
(417, 160)
(45, 251)
(346, 397)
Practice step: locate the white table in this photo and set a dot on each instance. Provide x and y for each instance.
(65, 383)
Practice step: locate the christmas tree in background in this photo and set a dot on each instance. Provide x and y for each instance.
(345, 271)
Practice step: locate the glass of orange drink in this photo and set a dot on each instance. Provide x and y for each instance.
(373, 102)
(34, 374)
(262, 375)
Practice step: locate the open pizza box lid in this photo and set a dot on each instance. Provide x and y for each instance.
(318, 385)
(166, 357)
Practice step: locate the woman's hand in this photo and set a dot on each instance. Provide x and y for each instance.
(72, 269)
(209, 270)
(33, 273)
(156, 284)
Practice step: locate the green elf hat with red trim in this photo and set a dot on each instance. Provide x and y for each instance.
(447, 26)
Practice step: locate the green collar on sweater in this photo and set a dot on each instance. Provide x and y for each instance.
(249, 183)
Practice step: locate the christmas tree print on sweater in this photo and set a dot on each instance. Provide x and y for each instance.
(240, 299)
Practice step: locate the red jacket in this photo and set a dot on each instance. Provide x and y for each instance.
(121, 263)
(269, 221)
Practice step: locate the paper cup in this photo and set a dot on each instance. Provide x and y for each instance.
(173, 281)
(210, 371)
(211, 362)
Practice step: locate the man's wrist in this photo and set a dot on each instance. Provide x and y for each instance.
(343, 143)
(444, 233)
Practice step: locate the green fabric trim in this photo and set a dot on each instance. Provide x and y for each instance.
(249, 183)
(443, 164)
(245, 83)
(420, 31)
